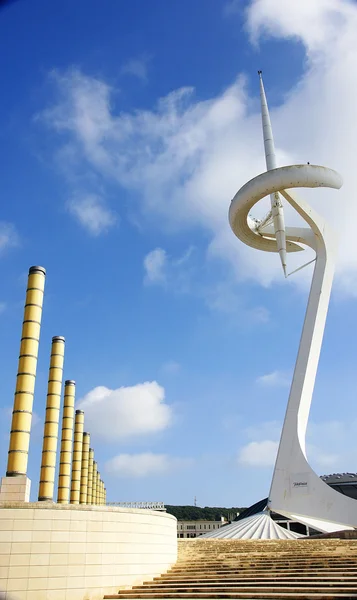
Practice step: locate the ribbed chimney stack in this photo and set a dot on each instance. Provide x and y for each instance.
(95, 481)
(90, 476)
(25, 385)
(64, 478)
(24, 392)
(77, 457)
(84, 469)
(50, 435)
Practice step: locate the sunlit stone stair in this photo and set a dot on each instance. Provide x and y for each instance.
(302, 569)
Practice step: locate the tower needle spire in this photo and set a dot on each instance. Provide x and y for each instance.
(270, 158)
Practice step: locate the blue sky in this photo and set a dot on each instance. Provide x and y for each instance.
(125, 129)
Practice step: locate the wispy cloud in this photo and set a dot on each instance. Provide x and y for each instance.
(171, 367)
(330, 445)
(146, 464)
(233, 7)
(184, 275)
(138, 67)
(9, 237)
(185, 158)
(92, 213)
(3, 307)
(155, 266)
(274, 379)
(173, 273)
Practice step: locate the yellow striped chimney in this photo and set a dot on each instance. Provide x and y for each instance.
(84, 469)
(98, 487)
(26, 375)
(50, 435)
(95, 481)
(77, 457)
(90, 476)
(64, 478)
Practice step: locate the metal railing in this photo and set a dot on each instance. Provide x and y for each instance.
(146, 505)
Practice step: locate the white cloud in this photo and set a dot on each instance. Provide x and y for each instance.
(176, 274)
(138, 67)
(171, 367)
(330, 445)
(233, 7)
(258, 454)
(314, 23)
(263, 431)
(91, 212)
(322, 459)
(186, 158)
(274, 379)
(127, 411)
(155, 265)
(144, 465)
(36, 420)
(8, 236)
(263, 454)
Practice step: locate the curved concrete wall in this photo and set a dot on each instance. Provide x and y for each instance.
(66, 552)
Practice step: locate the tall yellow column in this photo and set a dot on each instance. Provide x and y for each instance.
(77, 457)
(50, 435)
(84, 469)
(25, 386)
(98, 488)
(90, 475)
(105, 495)
(95, 480)
(64, 478)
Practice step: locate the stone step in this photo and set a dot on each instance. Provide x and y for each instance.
(294, 583)
(267, 565)
(336, 575)
(253, 560)
(250, 594)
(239, 586)
(253, 570)
(241, 552)
(227, 581)
(256, 573)
(199, 556)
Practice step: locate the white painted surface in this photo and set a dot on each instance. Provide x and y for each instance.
(257, 527)
(296, 490)
(59, 552)
(277, 211)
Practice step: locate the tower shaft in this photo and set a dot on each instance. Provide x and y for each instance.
(64, 478)
(26, 375)
(50, 435)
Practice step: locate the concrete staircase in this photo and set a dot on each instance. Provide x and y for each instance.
(268, 569)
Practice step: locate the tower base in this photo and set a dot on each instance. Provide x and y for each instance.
(15, 489)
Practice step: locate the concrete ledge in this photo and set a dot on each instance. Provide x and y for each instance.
(65, 552)
(15, 489)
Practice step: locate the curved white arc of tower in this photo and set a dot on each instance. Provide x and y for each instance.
(296, 490)
(270, 158)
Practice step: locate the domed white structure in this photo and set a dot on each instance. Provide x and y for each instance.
(257, 527)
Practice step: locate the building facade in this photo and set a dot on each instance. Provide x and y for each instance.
(193, 529)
